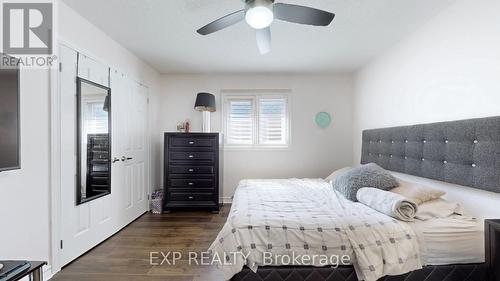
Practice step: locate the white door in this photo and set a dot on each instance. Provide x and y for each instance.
(85, 226)
(82, 226)
(130, 113)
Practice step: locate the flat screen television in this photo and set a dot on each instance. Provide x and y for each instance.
(9, 117)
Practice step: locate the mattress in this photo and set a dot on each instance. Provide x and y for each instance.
(452, 240)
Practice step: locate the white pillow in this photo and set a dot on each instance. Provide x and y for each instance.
(417, 192)
(337, 173)
(438, 208)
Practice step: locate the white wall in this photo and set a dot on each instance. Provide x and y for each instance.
(25, 194)
(448, 70)
(314, 152)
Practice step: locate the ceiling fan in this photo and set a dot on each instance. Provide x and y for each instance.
(260, 14)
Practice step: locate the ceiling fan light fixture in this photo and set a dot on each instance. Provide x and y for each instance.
(259, 17)
(260, 14)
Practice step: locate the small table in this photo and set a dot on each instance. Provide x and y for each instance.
(34, 272)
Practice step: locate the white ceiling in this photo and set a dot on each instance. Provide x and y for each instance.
(163, 33)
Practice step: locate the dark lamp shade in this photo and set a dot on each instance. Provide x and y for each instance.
(205, 102)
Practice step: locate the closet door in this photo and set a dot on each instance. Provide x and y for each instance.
(137, 149)
(131, 175)
(86, 225)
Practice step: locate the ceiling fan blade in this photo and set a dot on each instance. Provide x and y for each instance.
(264, 40)
(222, 23)
(302, 15)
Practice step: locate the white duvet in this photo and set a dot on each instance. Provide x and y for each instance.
(271, 220)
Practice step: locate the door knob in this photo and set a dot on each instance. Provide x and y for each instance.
(115, 160)
(126, 158)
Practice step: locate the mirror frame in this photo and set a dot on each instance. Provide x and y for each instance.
(79, 199)
(17, 68)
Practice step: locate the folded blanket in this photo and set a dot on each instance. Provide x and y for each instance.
(388, 203)
(438, 208)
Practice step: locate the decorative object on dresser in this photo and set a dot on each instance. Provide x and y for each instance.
(184, 126)
(492, 244)
(191, 171)
(205, 103)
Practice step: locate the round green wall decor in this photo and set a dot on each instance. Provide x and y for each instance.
(323, 119)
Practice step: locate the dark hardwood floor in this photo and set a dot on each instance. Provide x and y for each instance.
(126, 255)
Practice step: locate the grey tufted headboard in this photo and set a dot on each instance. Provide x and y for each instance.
(465, 152)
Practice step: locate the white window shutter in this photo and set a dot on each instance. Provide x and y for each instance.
(272, 121)
(256, 121)
(240, 121)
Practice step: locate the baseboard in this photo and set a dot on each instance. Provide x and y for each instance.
(227, 200)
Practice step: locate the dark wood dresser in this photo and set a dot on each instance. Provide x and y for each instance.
(191, 171)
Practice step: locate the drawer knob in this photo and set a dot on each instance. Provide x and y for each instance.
(190, 183)
(191, 142)
(191, 156)
(191, 170)
(191, 197)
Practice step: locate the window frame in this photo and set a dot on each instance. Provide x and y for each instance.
(256, 96)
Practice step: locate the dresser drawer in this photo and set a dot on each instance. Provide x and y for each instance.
(189, 183)
(199, 156)
(191, 142)
(191, 170)
(188, 196)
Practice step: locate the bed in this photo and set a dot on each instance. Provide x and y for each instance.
(295, 215)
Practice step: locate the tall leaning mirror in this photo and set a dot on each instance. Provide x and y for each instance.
(93, 141)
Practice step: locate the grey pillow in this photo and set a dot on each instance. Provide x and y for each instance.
(369, 175)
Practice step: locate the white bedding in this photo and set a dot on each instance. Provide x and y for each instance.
(451, 240)
(307, 218)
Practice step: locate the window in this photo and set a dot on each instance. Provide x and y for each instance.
(256, 121)
(95, 118)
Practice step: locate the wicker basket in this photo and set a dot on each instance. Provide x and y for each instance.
(157, 202)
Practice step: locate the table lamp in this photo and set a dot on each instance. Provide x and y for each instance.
(205, 102)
